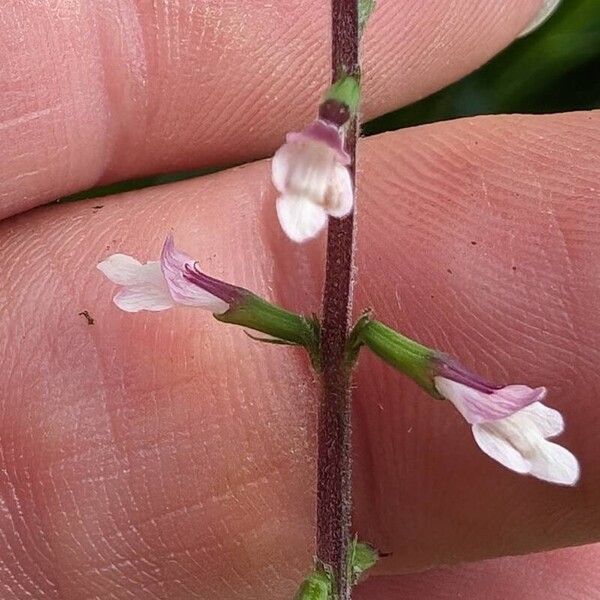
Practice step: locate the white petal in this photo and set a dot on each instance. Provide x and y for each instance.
(497, 447)
(310, 166)
(300, 218)
(340, 194)
(280, 167)
(548, 421)
(462, 396)
(203, 299)
(144, 288)
(139, 297)
(555, 464)
(126, 270)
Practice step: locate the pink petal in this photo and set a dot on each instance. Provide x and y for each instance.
(478, 407)
(325, 133)
(173, 263)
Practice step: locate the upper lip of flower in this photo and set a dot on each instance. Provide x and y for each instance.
(480, 406)
(325, 133)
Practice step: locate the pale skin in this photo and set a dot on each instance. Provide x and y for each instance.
(168, 456)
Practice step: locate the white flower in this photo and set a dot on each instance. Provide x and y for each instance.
(310, 171)
(511, 425)
(144, 286)
(159, 285)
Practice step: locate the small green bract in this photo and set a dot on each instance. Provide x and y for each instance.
(317, 586)
(361, 558)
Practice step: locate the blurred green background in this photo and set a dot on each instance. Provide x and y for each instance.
(555, 69)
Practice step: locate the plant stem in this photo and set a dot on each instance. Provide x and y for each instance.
(334, 485)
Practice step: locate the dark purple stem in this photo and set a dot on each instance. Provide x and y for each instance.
(334, 484)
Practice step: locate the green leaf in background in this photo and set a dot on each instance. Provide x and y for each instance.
(555, 69)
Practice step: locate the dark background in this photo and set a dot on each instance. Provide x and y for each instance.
(554, 69)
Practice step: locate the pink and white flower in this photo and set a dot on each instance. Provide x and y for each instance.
(159, 285)
(311, 173)
(510, 424)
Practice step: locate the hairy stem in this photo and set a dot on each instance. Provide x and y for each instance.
(334, 492)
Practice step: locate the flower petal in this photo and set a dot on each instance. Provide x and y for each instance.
(301, 219)
(126, 270)
(311, 168)
(325, 133)
(303, 167)
(548, 421)
(498, 448)
(555, 464)
(173, 263)
(144, 288)
(138, 297)
(280, 166)
(479, 407)
(340, 194)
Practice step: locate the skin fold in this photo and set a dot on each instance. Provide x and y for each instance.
(169, 456)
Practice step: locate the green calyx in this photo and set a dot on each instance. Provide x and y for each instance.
(283, 326)
(317, 586)
(346, 91)
(402, 353)
(361, 557)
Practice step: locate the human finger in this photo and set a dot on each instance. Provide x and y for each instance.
(167, 452)
(99, 92)
(567, 573)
